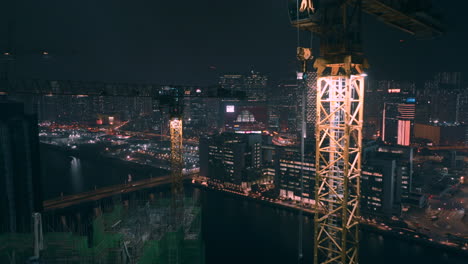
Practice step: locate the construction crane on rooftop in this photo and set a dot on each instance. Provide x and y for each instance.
(340, 69)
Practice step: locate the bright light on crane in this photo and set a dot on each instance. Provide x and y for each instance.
(177, 165)
(307, 5)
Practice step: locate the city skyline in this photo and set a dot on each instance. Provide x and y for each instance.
(202, 132)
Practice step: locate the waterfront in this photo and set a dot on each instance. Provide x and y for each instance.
(242, 231)
(64, 172)
(237, 230)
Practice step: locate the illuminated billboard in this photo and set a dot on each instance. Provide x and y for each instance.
(230, 109)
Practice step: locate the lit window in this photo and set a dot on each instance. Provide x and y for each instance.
(245, 116)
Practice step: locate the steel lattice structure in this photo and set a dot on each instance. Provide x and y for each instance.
(340, 101)
(177, 165)
(340, 98)
(311, 102)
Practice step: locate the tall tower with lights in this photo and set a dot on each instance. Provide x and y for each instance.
(339, 114)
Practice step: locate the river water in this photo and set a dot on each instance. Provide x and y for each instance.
(236, 230)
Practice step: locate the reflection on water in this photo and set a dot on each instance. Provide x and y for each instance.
(68, 174)
(236, 230)
(76, 174)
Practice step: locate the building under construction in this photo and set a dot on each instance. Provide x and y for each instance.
(136, 232)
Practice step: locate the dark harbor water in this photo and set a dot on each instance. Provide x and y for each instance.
(236, 230)
(240, 231)
(68, 173)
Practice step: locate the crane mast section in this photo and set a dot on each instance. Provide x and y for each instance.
(177, 165)
(340, 101)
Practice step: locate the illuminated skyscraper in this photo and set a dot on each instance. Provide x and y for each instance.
(398, 121)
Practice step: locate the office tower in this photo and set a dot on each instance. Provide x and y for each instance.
(380, 93)
(231, 159)
(398, 121)
(404, 160)
(253, 84)
(256, 85)
(373, 110)
(378, 193)
(387, 181)
(288, 173)
(442, 95)
(286, 106)
(20, 184)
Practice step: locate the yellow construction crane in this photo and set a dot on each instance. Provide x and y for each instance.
(175, 103)
(340, 100)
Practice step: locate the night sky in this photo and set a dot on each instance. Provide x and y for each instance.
(193, 42)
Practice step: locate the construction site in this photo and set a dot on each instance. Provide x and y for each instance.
(135, 232)
(169, 230)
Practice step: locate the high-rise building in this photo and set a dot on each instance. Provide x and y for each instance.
(253, 84)
(398, 119)
(387, 177)
(463, 112)
(284, 106)
(382, 93)
(288, 173)
(256, 86)
(231, 159)
(199, 111)
(20, 183)
(399, 111)
(404, 160)
(373, 111)
(387, 181)
(442, 97)
(379, 193)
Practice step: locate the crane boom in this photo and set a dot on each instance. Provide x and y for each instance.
(408, 16)
(411, 16)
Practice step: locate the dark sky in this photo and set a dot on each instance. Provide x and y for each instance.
(194, 41)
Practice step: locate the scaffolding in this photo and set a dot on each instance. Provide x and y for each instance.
(149, 235)
(138, 234)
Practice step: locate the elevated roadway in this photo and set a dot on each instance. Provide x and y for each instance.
(101, 193)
